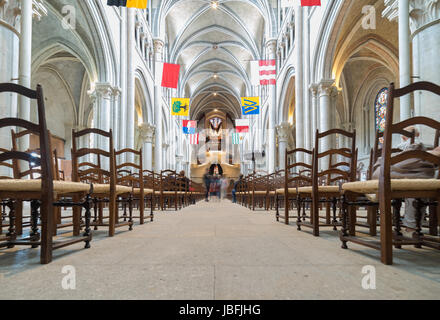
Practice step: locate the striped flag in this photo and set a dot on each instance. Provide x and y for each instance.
(189, 126)
(194, 138)
(304, 3)
(242, 125)
(263, 72)
(139, 4)
(235, 138)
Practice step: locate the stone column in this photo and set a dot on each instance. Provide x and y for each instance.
(164, 150)
(326, 115)
(115, 121)
(404, 58)
(271, 46)
(131, 43)
(299, 80)
(425, 33)
(307, 106)
(101, 113)
(25, 60)
(314, 91)
(284, 130)
(158, 51)
(146, 131)
(123, 81)
(424, 24)
(9, 44)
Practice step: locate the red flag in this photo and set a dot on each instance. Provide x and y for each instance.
(310, 3)
(268, 72)
(170, 76)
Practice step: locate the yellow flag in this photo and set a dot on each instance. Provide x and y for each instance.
(140, 4)
(180, 107)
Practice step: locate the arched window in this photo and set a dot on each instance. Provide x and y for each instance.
(381, 109)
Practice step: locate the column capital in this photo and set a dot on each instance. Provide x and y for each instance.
(314, 89)
(101, 90)
(271, 46)
(325, 87)
(421, 12)
(146, 131)
(284, 130)
(158, 45)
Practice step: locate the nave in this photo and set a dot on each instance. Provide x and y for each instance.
(218, 251)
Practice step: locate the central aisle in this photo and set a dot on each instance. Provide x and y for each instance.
(219, 251)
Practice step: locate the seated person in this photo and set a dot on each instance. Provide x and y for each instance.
(411, 169)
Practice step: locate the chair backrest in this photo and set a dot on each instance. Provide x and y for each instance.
(92, 171)
(151, 180)
(34, 170)
(45, 160)
(128, 173)
(297, 174)
(388, 159)
(336, 172)
(168, 181)
(6, 164)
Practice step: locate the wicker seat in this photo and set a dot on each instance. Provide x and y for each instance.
(372, 186)
(137, 191)
(321, 189)
(60, 187)
(291, 191)
(105, 189)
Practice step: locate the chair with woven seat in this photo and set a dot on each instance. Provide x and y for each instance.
(295, 175)
(168, 189)
(135, 180)
(328, 190)
(105, 190)
(275, 181)
(41, 193)
(152, 182)
(390, 192)
(259, 191)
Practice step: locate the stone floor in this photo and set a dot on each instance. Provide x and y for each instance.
(218, 251)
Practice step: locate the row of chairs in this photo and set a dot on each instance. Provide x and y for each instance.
(325, 192)
(107, 185)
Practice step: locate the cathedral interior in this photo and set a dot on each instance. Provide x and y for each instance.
(336, 68)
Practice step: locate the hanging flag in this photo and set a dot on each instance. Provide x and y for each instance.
(194, 138)
(236, 138)
(140, 4)
(180, 107)
(263, 72)
(310, 3)
(250, 105)
(189, 126)
(241, 125)
(167, 75)
(304, 3)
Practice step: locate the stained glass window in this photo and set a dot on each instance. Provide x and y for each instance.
(381, 109)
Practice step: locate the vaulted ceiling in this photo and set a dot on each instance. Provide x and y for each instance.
(214, 42)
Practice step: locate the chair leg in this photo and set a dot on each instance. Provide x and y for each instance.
(34, 235)
(113, 211)
(344, 210)
(19, 218)
(12, 235)
(76, 217)
(386, 236)
(397, 204)
(87, 205)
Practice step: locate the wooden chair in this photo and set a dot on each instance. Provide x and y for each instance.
(7, 166)
(168, 189)
(41, 193)
(295, 175)
(152, 182)
(391, 192)
(105, 188)
(275, 181)
(135, 180)
(34, 172)
(333, 175)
